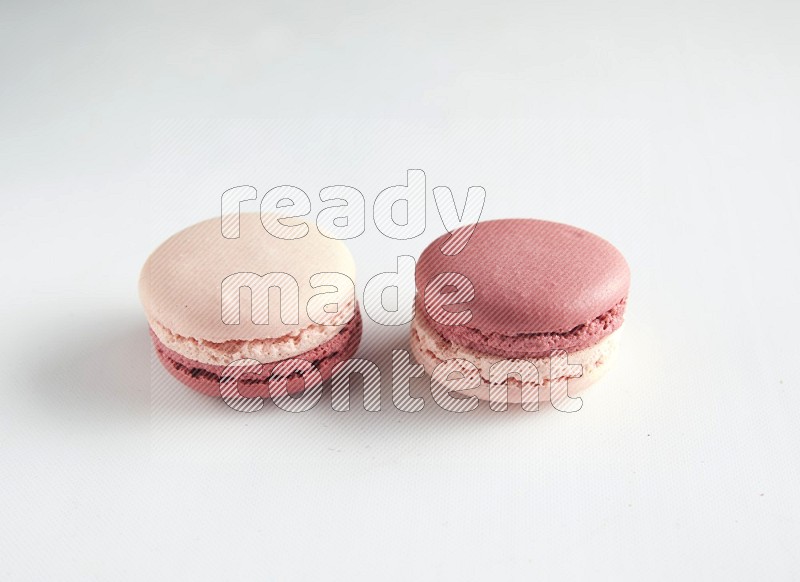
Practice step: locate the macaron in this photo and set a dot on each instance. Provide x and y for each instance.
(521, 289)
(212, 301)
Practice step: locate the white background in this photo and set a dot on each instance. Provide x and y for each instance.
(670, 128)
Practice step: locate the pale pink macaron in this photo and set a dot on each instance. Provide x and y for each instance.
(520, 290)
(207, 307)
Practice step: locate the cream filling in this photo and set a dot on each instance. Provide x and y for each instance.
(263, 350)
(431, 349)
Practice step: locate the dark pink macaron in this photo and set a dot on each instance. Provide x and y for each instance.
(520, 289)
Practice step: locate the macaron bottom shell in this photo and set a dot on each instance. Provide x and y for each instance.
(430, 349)
(205, 378)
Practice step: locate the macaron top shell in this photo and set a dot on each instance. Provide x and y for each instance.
(180, 284)
(531, 276)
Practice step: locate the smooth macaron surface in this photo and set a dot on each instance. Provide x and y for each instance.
(538, 286)
(180, 284)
